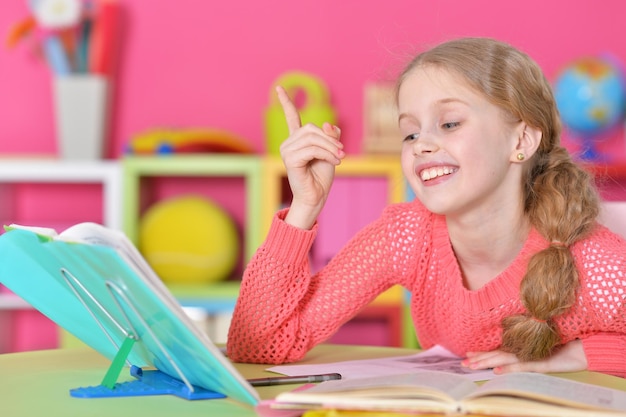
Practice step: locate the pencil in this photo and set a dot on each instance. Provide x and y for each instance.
(299, 379)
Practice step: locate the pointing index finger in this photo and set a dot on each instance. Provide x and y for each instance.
(289, 109)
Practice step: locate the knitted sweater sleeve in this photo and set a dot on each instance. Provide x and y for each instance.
(600, 321)
(606, 352)
(283, 311)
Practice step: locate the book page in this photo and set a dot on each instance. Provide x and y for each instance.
(524, 407)
(553, 389)
(440, 385)
(42, 231)
(436, 358)
(423, 391)
(96, 234)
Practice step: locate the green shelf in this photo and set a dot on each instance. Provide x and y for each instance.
(247, 167)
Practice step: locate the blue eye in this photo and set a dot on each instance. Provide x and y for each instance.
(450, 125)
(412, 136)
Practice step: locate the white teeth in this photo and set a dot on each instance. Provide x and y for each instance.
(429, 174)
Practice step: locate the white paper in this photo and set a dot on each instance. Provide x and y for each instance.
(435, 359)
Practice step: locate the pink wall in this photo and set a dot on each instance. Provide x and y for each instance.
(192, 63)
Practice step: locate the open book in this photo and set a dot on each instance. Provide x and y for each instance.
(93, 282)
(515, 394)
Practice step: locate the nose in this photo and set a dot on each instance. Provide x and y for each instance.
(425, 144)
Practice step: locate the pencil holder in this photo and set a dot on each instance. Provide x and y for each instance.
(81, 114)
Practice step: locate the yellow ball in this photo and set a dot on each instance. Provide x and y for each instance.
(189, 240)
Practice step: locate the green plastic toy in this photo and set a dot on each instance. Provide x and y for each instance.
(315, 108)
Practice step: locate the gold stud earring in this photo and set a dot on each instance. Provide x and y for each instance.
(521, 156)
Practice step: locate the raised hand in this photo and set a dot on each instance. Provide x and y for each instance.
(310, 155)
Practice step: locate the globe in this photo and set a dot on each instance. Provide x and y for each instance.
(590, 96)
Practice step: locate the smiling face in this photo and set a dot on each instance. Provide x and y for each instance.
(459, 149)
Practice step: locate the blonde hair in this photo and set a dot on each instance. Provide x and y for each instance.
(560, 198)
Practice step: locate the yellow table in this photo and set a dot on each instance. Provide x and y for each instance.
(37, 384)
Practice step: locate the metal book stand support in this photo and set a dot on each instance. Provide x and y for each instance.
(147, 382)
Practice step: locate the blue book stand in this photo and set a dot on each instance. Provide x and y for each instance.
(105, 294)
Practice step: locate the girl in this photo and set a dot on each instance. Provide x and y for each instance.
(501, 249)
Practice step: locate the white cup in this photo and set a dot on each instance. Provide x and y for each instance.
(81, 115)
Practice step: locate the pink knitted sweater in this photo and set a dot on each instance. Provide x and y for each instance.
(283, 311)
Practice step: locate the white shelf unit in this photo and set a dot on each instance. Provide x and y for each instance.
(106, 173)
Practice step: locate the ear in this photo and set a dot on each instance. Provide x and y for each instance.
(527, 143)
